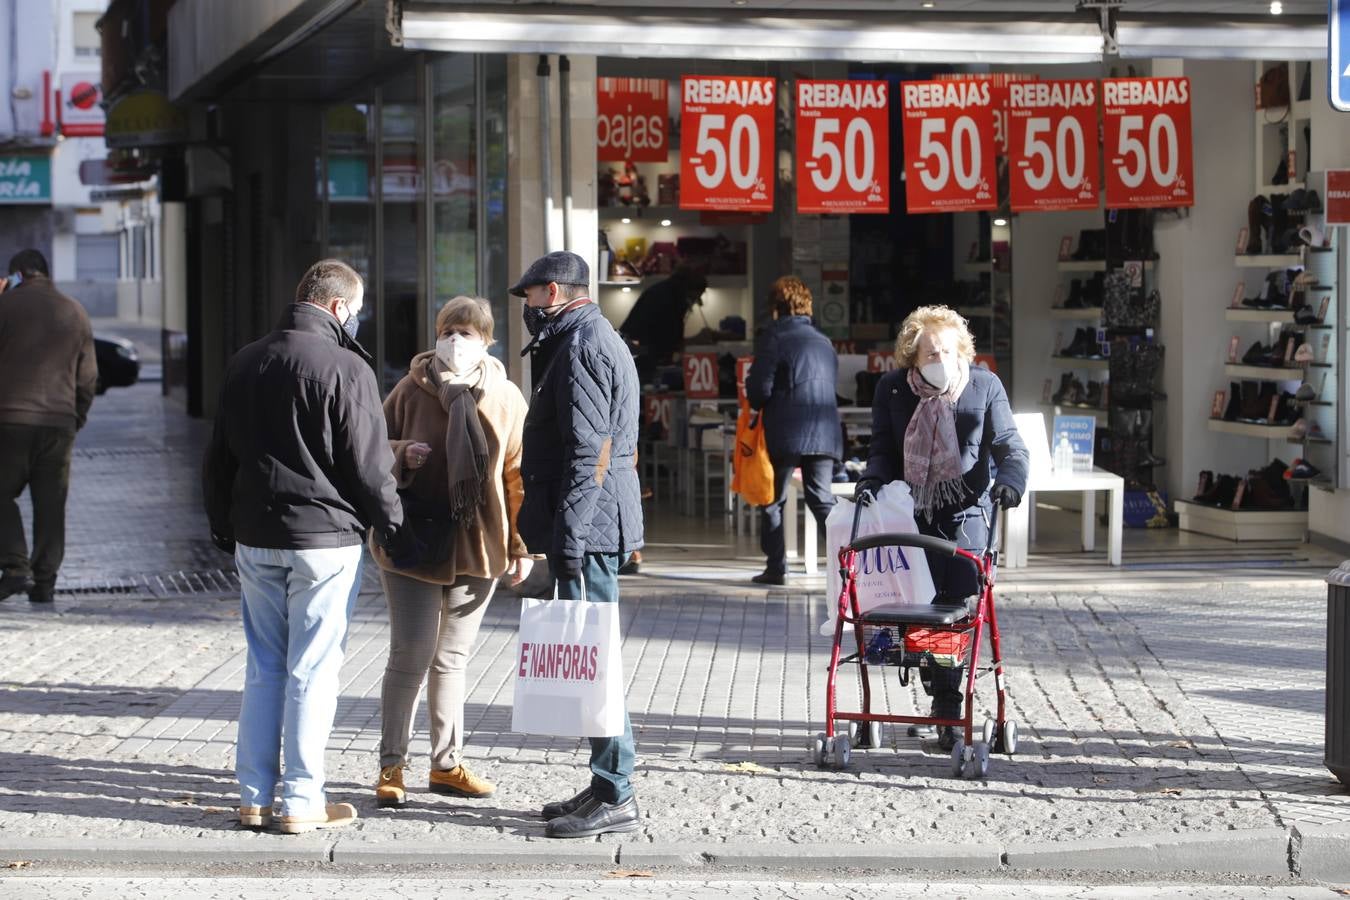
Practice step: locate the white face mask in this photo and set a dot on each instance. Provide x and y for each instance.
(460, 353)
(940, 374)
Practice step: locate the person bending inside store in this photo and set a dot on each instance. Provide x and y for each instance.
(655, 325)
(944, 427)
(791, 383)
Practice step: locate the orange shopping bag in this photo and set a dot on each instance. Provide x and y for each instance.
(752, 476)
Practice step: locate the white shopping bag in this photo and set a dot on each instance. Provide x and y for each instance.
(569, 669)
(886, 574)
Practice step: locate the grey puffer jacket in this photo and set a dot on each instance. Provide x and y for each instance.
(792, 382)
(579, 449)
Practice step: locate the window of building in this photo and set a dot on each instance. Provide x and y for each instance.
(96, 257)
(85, 36)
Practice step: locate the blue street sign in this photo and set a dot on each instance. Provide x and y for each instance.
(1338, 54)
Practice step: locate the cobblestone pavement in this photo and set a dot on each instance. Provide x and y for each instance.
(1192, 709)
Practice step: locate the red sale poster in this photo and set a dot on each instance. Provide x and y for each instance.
(949, 146)
(1053, 155)
(700, 376)
(843, 147)
(632, 119)
(998, 85)
(726, 143)
(1148, 142)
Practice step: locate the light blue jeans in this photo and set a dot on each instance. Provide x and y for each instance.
(296, 606)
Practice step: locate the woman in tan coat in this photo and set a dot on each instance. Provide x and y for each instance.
(455, 428)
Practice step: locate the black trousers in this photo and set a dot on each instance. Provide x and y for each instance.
(817, 474)
(955, 580)
(36, 457)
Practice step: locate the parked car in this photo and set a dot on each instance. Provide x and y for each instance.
(119, 365)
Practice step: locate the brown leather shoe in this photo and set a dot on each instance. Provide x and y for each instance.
(389, 790)
(460, 782)
(335, 815)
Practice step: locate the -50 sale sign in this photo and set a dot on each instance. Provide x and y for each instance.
(949, 146)
(1148, 142)
(843, 147)
(726, 144)
(1053, 150)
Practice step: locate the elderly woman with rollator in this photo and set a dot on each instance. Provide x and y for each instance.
(944, 427)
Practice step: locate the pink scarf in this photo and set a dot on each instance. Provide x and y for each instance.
(932, 458)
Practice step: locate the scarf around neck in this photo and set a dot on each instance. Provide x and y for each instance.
(466, 449)
(932, 458)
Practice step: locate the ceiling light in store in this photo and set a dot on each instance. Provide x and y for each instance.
(665, 223)
(1276, 7)
(999, 223)
(928, 4)
(627, 290)
(739, 2)
(627, 221)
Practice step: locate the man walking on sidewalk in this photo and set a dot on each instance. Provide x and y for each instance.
(48, 374)
(582, 505)
(297, 470)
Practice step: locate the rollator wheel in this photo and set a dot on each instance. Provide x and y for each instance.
(843, 754)
(850, 728)
(977, 761)
(990, 731)
(1007, 738)
(816, 748)
(959, 751)
(874, 735)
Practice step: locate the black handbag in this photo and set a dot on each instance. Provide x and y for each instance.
(433, 528)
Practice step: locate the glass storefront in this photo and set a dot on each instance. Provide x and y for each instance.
(432, 138)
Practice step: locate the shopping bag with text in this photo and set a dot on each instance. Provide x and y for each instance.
(885, 574)
(569, 669)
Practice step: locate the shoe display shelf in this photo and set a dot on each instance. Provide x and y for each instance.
(1242, 525)
(1282, 132)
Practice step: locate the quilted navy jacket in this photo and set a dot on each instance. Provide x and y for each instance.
(991, 449)
(792, 381)
(579, 451)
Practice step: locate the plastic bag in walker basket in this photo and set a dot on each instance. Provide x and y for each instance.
(947, 647)
(886, 574)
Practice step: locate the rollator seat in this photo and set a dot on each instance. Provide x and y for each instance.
(916, 614)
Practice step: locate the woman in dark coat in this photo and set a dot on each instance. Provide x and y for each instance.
(944, 427)
(791, 383)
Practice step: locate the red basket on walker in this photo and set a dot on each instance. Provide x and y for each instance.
(915, 636)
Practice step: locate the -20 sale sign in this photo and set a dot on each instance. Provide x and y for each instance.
(843, 147)
(1148, 142)
(949, 146)
(1053, 145)
(726, 143)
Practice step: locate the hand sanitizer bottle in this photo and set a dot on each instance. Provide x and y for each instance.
(1063, 453)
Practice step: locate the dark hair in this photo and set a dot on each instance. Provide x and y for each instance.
(573, 291)
(788, 296)
(29, 263)
(327, 280)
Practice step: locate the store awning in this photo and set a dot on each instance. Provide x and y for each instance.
(907, 38)
(1217, 37)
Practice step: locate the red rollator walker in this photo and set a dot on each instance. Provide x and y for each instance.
(915, 636)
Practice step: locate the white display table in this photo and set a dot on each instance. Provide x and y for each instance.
(1016, 522)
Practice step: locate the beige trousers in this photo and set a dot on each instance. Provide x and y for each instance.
(432, 628)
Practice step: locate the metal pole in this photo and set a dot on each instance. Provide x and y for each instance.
(565, 142)
(545, 151)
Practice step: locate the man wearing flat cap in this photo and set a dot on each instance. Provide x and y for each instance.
(582, 506)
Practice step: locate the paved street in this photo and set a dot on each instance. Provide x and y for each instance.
(1191, 710)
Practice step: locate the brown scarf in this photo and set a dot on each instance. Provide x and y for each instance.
(466, 450)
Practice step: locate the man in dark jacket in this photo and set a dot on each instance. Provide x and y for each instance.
(297, 470)
(47, 377)
(582, 506)
(656, 322)
(791, 384)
